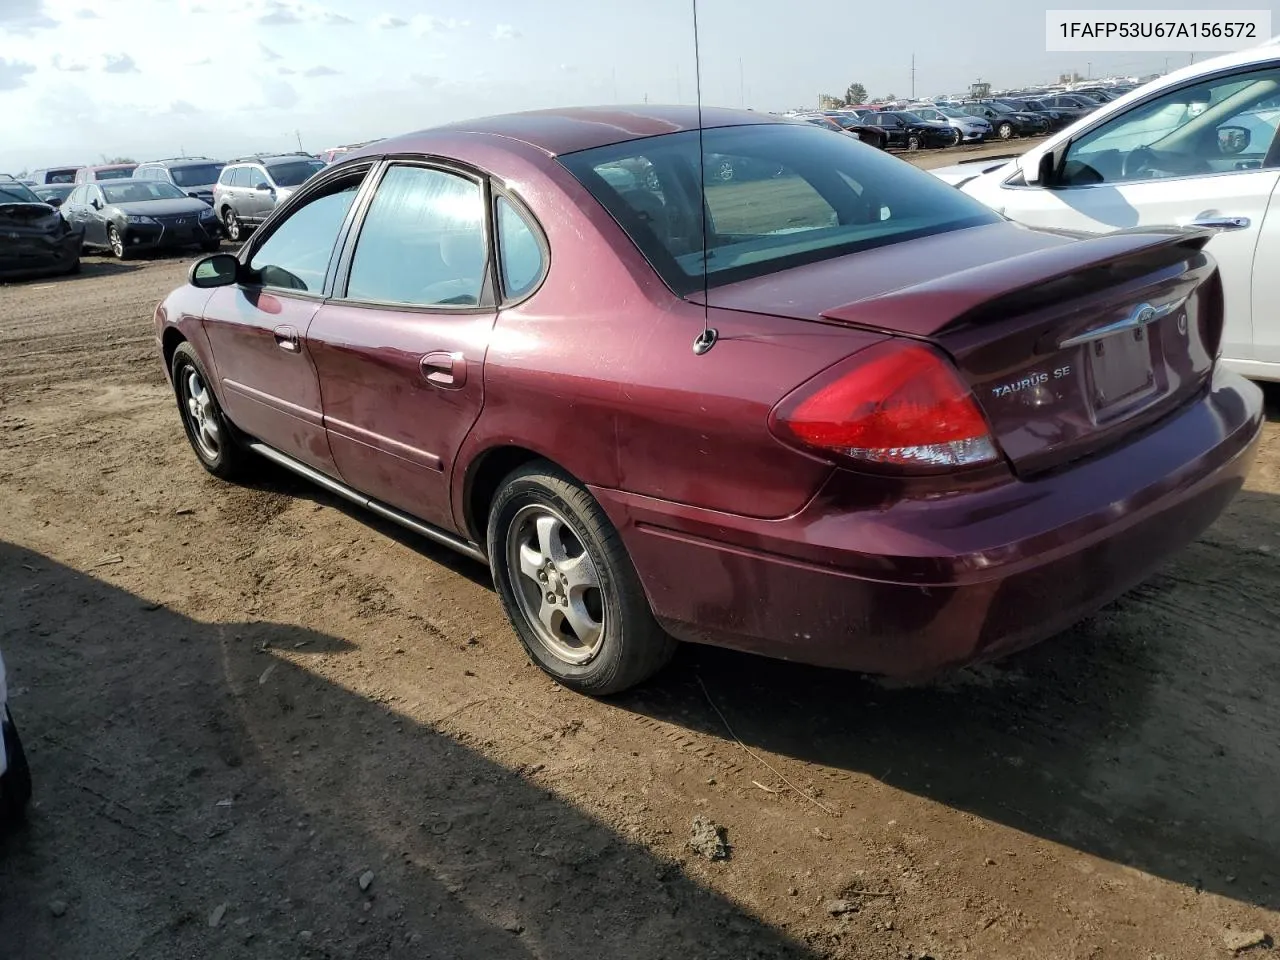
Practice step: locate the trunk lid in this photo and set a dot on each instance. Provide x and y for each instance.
(1068, 345)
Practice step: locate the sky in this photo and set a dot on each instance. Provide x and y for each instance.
(85, 79)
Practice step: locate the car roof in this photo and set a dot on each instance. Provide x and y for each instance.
(561, 131)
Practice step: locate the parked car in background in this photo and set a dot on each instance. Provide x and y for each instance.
(35, 240)
(971, 129)
(1008, 123)
(1058, 117)
(911, 132)
(194, 176)
(847, 416)
(130, 216)
(109, 171)
(1195, 147)
(55, 175)
(866, 132)
(15, 774)
(54, 194)
(1072, 101)
(248, 189)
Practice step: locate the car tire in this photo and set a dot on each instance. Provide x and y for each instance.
(75, 267)
(957, 136)
(231, 224)
(548, 539)
(913, 142)
(1006, 131)
(15, 784)
(217, 444)
(116, 244)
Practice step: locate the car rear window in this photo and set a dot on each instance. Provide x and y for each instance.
(196, 174)
(795, 194)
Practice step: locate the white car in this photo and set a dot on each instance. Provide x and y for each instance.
(1195, 147)
(15, 777)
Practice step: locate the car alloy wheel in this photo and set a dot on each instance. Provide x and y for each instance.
(568, 585)
(556, 584)
(913, 142)
(219, 448)
(1006, 131)
(116, 243)
(957, 136)
(232, 224)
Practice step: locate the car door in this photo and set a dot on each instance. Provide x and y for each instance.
(95, 222)
(258, 330)
(400, 349)
(1177, 159)
(259, 202)
(73, 208)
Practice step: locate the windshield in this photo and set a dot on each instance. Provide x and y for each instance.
(61, 191)
(796, 197)
(954, 114)
(140, 191)
(196, 175)
(120, 173)
(910, 117)
(11, 191)
(294, 172)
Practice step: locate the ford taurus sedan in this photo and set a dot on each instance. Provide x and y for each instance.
(844, 415)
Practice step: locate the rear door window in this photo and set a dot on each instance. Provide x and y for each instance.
(422, 242)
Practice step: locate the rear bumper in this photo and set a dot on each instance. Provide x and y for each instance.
(38, 256)
(919, 585)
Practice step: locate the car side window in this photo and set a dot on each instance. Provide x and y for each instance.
(422, 241)
(519, 254)
(1217, 126)
(257, 175)
(227, 176)
(241, 178)
(296, 255)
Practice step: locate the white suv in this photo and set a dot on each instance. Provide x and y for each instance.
(1196, 147)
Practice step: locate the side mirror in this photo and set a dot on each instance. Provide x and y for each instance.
(1040, 168)
(216, 270)
(95, 203)
(1233, 139)
(263, 186)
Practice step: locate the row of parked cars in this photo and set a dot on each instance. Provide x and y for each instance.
(919, 126)
(50, 217)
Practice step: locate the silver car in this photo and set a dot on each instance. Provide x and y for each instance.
(972, 129)
(250, 188)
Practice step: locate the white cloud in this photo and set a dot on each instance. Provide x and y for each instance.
(279, 93)
(84, 13)
(425, 23)
(286, 71)
(267, 53)
(388, 22)
(505, 31)
(183, 108)
(13, 73)
(203, 62)
(24, 17)
(68, 66)
(322, 71)
(284, 13)
(118, 63)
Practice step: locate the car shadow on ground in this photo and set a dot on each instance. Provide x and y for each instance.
(247, 827)
(1148, 735)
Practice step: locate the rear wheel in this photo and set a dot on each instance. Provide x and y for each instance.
(913, 142)
(569, 587)
(212, 437)
(1005, 130)
(15, 784)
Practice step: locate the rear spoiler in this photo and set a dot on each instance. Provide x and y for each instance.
(925, 309)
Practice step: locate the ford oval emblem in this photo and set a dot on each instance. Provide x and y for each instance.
(1142, 315)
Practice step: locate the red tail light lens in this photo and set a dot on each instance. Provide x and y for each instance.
(895, 403)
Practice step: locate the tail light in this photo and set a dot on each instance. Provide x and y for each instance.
(897, 403)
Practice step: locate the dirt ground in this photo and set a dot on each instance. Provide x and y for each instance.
(263, 724)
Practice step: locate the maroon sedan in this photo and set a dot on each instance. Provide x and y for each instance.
(838, 412)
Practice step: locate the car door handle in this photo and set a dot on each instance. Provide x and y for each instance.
(287, 339)
(1221, 223)
(447, 370)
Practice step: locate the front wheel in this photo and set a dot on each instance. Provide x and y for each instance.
(116, 242)
(569, 587)
(15, 784)
(231, 223)
(212, 437)
(957, 137)
(913, 142)
(1006, 131)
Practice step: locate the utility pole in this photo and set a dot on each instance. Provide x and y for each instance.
(913, 76)
(298, 134)
(742, 86)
